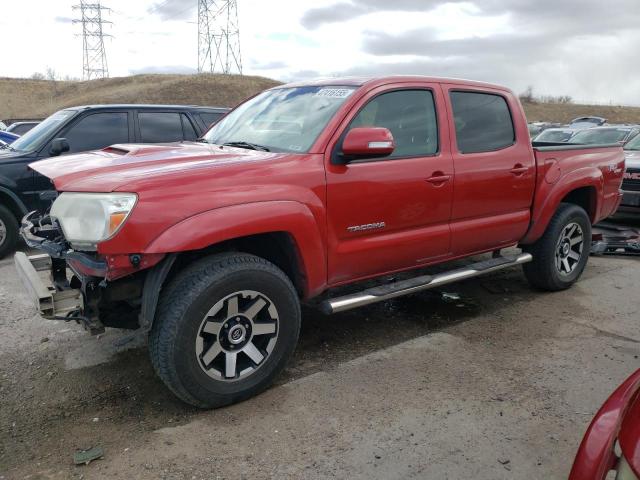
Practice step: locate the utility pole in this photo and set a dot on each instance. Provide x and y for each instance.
(94, 56)
(218, 37)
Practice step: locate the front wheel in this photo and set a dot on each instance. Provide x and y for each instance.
(561, 254)
(226, 326)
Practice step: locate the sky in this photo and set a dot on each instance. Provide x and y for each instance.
(587, 49)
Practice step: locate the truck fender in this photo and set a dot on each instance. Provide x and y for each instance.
(227, 223)
(16, 204)
(553, 195)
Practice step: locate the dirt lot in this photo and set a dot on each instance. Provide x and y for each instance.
(498, 384)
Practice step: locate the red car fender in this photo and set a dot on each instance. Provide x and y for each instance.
(596, 454)
(226, 223)
(553, 195)
(629, 436)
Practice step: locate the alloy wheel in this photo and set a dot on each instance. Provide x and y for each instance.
(237, 335)
(569, 248)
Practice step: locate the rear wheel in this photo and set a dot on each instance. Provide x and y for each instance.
(8, 231)
(226, 326)
(561, 254)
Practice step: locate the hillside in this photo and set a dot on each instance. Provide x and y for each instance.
(563, 113)
(24, 98)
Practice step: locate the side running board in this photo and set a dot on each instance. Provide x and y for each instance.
(418, 284)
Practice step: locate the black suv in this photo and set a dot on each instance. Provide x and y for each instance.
(80, 129)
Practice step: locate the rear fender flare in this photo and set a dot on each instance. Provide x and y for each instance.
(227, 223)
(553, 195)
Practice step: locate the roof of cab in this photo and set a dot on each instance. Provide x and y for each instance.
(377, 81)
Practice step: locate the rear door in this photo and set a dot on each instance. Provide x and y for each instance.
(391, 213)
(494, 169)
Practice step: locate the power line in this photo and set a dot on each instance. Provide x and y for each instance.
(218, 37)
(94, 56)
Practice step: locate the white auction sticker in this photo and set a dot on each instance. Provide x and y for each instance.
(334, 92)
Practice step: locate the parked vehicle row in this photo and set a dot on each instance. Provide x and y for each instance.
(81, 129)
(620, 134)
(302, 189)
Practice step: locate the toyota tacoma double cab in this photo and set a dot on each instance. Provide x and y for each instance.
(211, 246)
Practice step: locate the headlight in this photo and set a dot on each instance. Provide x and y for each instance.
(89, 218)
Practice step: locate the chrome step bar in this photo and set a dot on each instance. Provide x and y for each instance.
(423, 282)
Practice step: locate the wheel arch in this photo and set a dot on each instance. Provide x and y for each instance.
(10, 200)
(580, 187)
(278, 248)
(286, 233)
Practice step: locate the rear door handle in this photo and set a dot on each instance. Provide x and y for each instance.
(438, 178)
(519, 169)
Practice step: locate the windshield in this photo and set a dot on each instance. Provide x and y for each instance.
(596, 136)
(633, 144)
(554, 136)
(39, 135)
(281, 120)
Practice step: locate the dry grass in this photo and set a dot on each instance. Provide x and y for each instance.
(563, 113)
(24, 98)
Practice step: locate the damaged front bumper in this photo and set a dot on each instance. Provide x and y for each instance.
(60, 282)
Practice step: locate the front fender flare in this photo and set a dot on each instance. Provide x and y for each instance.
(227, 223)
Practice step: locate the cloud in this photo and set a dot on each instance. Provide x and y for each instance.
(183, 69)
(272, 65)
(337, 13)
(173, 9)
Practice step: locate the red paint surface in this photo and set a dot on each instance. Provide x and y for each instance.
(620, 413)
(434, 208)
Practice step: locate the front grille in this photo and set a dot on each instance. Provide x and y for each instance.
(631, 180)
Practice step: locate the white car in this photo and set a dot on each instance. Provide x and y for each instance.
(3, 126)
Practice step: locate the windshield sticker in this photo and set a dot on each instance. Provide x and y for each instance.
(334, 92)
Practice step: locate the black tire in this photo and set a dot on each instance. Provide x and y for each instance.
(544, 272)
(8, 220)
(185, 307)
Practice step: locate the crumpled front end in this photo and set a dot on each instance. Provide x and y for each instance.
(66, 284)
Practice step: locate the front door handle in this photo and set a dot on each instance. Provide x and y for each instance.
(438, 178)
(519, 169)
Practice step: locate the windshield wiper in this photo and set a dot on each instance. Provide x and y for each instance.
(251, 146)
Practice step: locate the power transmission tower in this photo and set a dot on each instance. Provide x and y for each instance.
(94, 56)
(218, 37)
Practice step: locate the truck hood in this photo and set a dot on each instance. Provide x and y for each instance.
(125, 165)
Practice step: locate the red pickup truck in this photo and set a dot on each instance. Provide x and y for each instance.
(211, 246)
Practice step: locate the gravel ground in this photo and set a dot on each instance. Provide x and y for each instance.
(498, 384)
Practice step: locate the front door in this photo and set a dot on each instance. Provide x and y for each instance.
(391, 213)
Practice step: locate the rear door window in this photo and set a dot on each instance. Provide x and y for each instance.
(98, 130)
(483, 122)
(160, 127)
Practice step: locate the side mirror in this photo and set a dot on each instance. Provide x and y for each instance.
(58, 146)
(369, 142)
